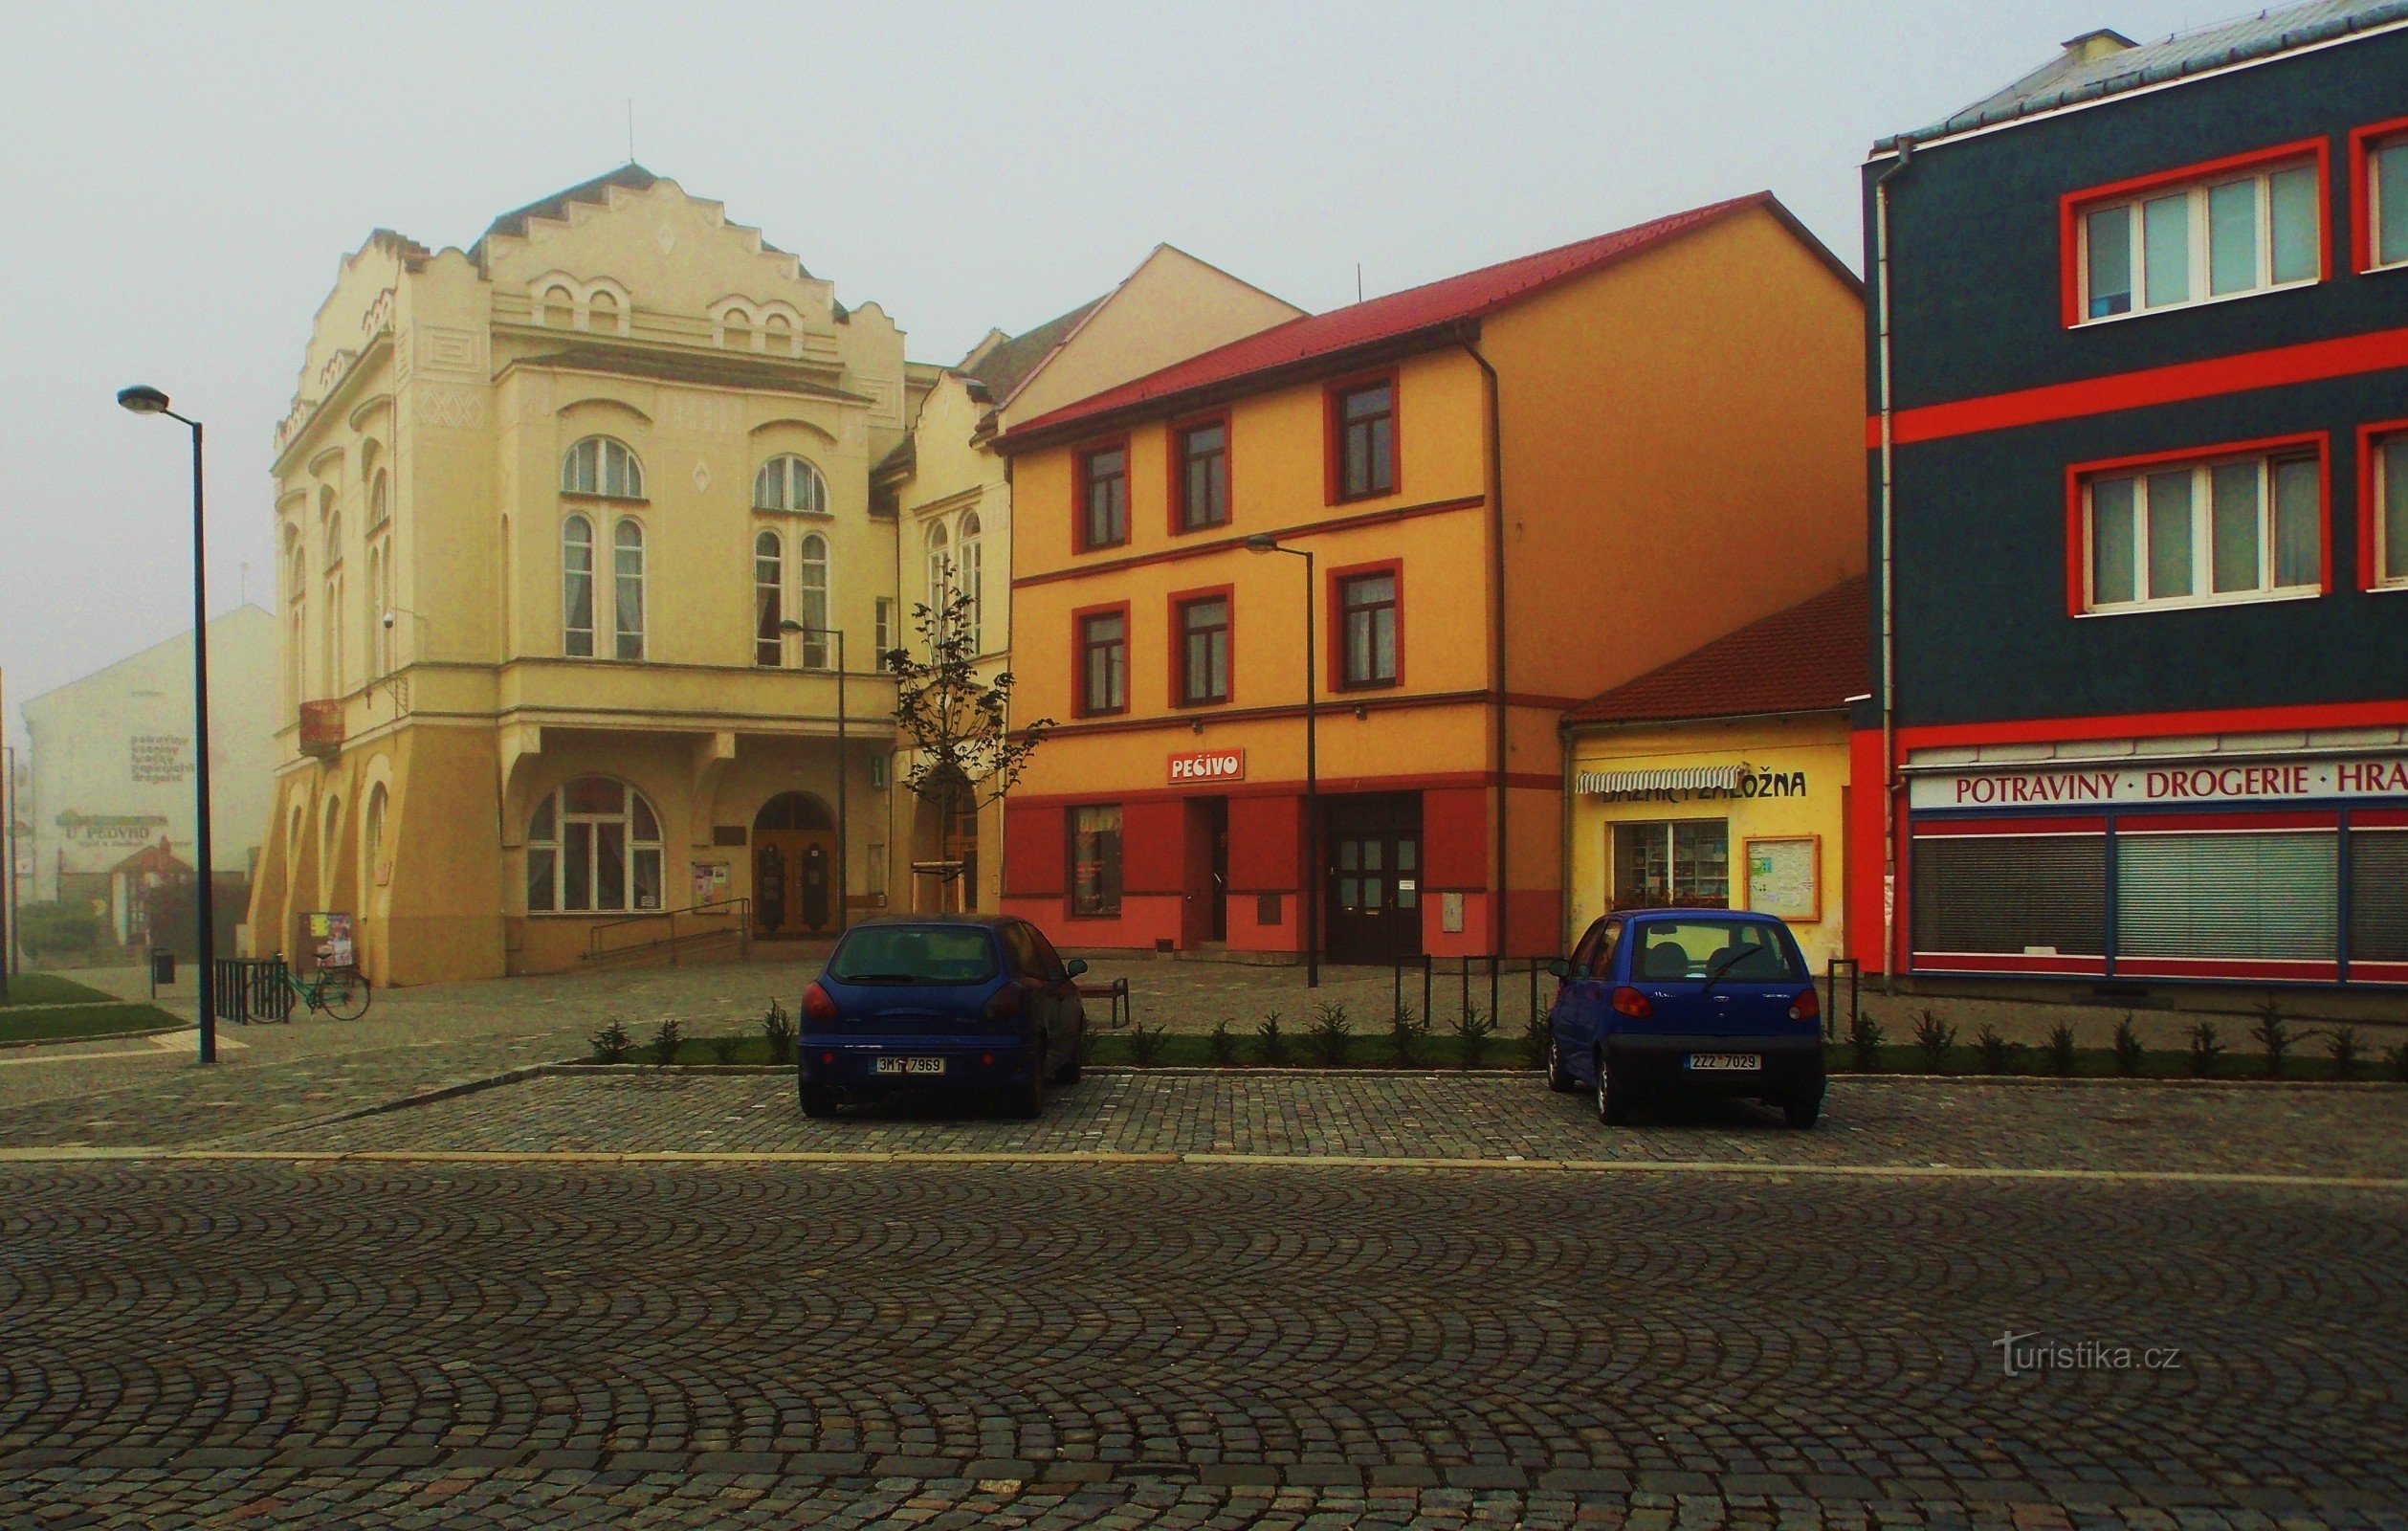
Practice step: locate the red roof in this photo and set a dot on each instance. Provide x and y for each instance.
(1399, 314)
(1812, 657)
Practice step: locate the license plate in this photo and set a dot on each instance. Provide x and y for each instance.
(911, 1065)
(1725, 1062)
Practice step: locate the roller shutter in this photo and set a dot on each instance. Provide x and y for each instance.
(2236, 896)
(2379, 895)
(2010, 893)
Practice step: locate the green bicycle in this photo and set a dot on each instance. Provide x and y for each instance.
(339, 992)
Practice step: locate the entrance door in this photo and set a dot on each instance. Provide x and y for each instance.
(794, 869)
(1373, 898)
(1205, 873)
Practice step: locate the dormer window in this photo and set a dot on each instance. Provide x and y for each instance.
(602, 466)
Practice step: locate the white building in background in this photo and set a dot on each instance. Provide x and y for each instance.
(111, 765)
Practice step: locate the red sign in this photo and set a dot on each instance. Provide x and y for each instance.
(1210, 766)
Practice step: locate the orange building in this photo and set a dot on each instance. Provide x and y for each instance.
(1514, 488)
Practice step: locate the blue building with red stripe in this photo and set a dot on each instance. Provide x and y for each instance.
(2137, 447)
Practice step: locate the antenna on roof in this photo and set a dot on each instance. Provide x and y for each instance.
(1358, 282)
(631, 130)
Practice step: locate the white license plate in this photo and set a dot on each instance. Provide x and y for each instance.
(1725, 1062)
(911, 1065)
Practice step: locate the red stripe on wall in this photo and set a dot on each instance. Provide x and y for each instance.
(1940, 829)
(2065, 964)
(2226, 969)
(2220, 822)
(2146, 725)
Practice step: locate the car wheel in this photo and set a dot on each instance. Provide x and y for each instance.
(1067, 1073)
(1803, 1111)
(1558, 1078)
(819, 1101)
(1027, 1100)
(1613, 1095)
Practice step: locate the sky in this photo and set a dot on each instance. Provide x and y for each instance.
(185, 180)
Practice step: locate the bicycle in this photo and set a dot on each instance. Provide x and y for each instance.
(341, 992)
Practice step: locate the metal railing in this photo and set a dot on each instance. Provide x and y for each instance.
(715, 920)
(1831, 994)
(250, 988)
(1467, 973)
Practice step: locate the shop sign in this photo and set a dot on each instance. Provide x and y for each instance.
(1688, 783)
(2109, 786)
(1210, 766)
(130, 830)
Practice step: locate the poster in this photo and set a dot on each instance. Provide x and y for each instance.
(329, 940)
(1783, 877)
(710, 882)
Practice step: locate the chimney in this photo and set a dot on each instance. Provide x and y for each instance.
(2096, 45)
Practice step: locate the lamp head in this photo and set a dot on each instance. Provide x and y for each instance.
(143, 399)
(1262, 543)
(789, 625)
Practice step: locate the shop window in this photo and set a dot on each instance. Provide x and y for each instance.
(603, 467)
(1103, 662)
(2199, 533)
(1095, 861)
(768, 599)
(577, 587)
(2388, 537)
(2019, 894)
(593, 847)
(1367, 629)
(1364, 434)
(1103, 497)
(1202, 453)
(2228, 895)
(2379, 895)
(2172, 244)
(1677, 863)
(1203, 651)
(791, 484)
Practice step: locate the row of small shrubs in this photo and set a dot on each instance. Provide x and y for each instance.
(670, 1044)
(1935, 1049)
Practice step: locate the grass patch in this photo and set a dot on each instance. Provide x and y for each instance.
(101, 1020)
(2042, 1062)
(48, 989)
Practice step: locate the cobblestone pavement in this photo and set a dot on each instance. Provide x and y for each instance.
(952, 1346)
(2234, 1129)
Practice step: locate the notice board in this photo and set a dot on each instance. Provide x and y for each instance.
(1785, 876)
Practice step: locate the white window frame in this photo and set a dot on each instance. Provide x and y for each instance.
(2373, 191)
(602, 468)
(2203, 590)
(2378, 525)
(769, 598)
(2200, 254)
(813, 580)
(969, 575)
(939, 568)
(569, 634)
(627, 638)
(791, 485)
(558, 846)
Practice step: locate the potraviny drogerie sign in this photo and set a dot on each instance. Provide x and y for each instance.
(2175, 782)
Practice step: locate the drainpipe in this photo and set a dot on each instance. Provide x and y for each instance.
(1888, 587)
(1496, 629)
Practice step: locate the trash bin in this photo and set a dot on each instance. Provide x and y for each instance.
(163, 969)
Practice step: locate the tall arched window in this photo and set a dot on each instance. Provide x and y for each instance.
(577, 587)
(626, 578)
(328, 864)
(593, 847)
(379, 644)
(810, 556)
(372, 838)
(768, 599)
(334, 605)
(601, 466)
(790, 483)
(972, 584)
(296, 657)
(380, 501)
(940, 568)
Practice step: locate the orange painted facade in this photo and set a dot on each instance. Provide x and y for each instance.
(1663, 449)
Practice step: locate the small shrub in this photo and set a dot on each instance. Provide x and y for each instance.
(777, 1028)
(1935, 1039)
(1329, 1034)
(2273, 1034)
(1408, 1034)
(1221, 1044)
(1997, 1054)
(2060, 1049)
(2343, 1046)
(1537, 1039)
(611, 1044)
(1474, 1032)
(1864, 1040)
(2206, 1051)
(723, 1048)
(666, 1041)
(2397, 1061)
(1145, 1046)
(2130, 1053)
(1268, 1042)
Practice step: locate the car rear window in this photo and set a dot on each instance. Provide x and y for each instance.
(1727, 951)
(914, 954)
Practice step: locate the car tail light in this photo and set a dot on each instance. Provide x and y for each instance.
(817, 1005)
(986, 1060)
(1005, 1005)
(828, 1058)
(1628, 1001)
(1806, 1007)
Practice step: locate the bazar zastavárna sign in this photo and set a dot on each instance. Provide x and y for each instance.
(2264, 782)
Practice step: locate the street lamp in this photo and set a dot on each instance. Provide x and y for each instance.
(843, 768)
(1266, 543)
(144, 399)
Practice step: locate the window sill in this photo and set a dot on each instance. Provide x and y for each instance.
(1343, 687)
(2396, 587)
(583, 497)
(1368, 494)
(2197, 303)
(1199, 704)
(1199, 528)
(1102, 712)
(589, 914)
(1099, 548)
(2210, 604)
(2381, 267)
(806, 515)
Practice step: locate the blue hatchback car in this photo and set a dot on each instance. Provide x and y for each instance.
(1710, 1001)
(949, 1002)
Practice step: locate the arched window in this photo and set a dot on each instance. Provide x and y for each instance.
(811, 555)
(593, 847)
(372, 838)
(380, 501)
(768, 599)
(601, 466)
(334, 540)
(295, 659)
(601, 312)
(735, 330)
(333, 633)
(379, 644)
(939, 569)
(778, 335)
(557, 309)
(790, 483)
(968, 573)
(327, 864)
(626, 578)
(577, 587)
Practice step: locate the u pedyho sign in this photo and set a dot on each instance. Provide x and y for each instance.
(1208, 765)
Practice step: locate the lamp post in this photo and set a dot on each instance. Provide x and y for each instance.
(1264, 542)
(143, 399)
(844, 768)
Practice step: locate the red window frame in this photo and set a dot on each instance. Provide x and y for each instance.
(1080, 620)
(1333, 398)
(1082, 481)
(2079, 474)
(2368, 436)
(1181, 524)
(2362, 143)
(1179, 603)
(2072, 205)
(1338, 579)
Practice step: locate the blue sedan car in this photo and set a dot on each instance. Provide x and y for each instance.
(1707, 1001)
(947, 1002)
